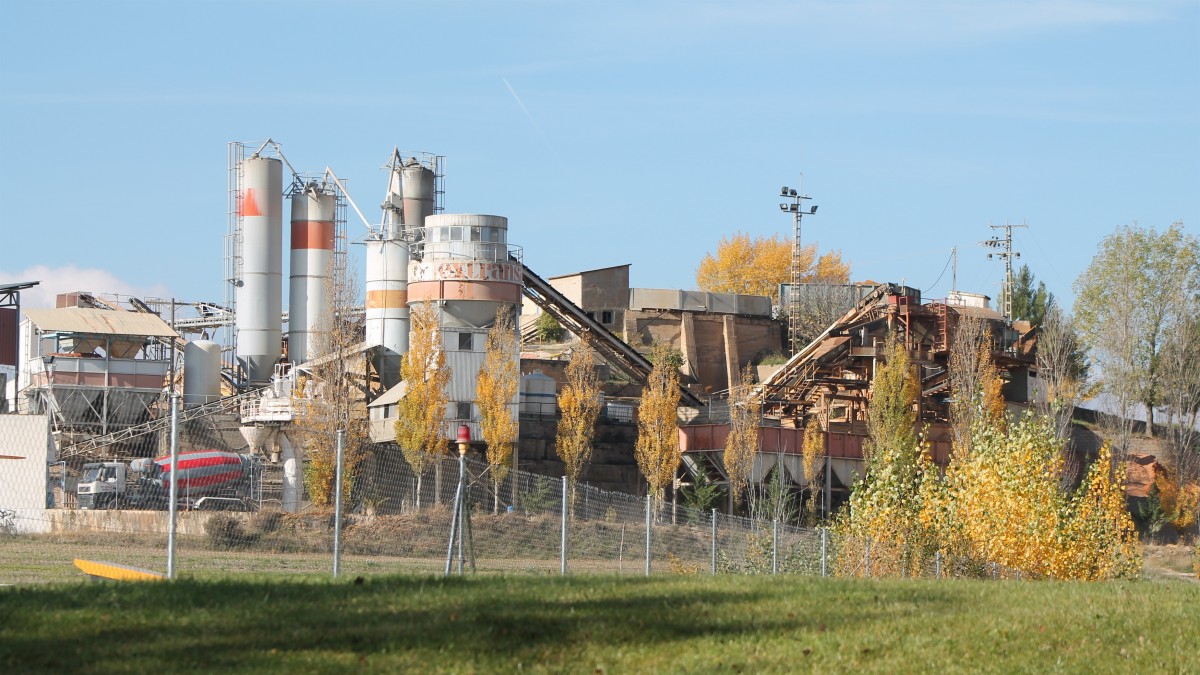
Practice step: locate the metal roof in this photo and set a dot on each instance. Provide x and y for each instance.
(99, 322)
(391, 396)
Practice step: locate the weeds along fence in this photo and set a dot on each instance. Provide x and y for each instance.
(391, 522)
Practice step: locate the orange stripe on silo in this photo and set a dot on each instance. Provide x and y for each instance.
(249, 205)
(387, 299)
(312, 234)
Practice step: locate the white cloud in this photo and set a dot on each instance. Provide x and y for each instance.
(55, 280)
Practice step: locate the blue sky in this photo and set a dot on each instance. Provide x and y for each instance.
(607, 132)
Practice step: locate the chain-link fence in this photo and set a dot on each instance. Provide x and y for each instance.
(458, 515)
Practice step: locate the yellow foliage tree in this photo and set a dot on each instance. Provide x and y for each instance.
(885, 511)
(657, 450)
(1100, 541)
(338, 403)
(495, 393)
(758, 266)
(423, 408)
(813, 455)
(741, 445)
(579, 404)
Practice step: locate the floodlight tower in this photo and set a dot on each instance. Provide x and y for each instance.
(1007, 256)
(795, 208)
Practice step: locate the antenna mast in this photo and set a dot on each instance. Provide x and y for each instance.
(1007, 256)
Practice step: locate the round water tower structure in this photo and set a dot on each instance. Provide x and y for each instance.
(260, 284)
(468, 271)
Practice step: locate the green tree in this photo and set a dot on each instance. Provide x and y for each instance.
(549, 329)
(1132, 297)
(1030, 301)
(741, 445)
(422, 410)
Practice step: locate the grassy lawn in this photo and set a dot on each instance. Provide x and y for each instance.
(595, 624)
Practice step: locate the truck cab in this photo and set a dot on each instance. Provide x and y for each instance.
(102, 485)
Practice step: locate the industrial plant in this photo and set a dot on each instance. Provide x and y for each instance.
(100, 371)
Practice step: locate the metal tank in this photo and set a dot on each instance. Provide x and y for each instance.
(260, 284)
(469, 272)
(313, 216)
(411, 197)
(201, 372)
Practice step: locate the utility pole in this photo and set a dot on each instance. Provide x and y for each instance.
(1007, 256)
(797, 212)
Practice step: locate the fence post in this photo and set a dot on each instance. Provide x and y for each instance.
(649, 508)
(774, 547)
(339, 467)
(824, 550)
(714, 542)
(562, 547)
(174, 490)
(937, 565)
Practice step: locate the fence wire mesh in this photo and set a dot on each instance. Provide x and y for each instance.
(231, 521)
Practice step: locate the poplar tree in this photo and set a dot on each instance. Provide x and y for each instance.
(579, 404)
(422, 409)
(657, 450)
(496, 390)
(741, 445)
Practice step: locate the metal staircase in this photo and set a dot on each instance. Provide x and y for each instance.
(609, 346)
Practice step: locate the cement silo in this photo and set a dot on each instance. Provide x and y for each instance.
(313, 227)
(469, 272)
(411, 197)
(201, 372)
(260, 283)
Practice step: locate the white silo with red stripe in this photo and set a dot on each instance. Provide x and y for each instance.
(260, 282)
(312, 236)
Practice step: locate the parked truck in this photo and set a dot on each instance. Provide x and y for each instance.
(208, 479)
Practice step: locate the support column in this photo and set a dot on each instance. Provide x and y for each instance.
(292, 480)
(687, 345)
(729, 333)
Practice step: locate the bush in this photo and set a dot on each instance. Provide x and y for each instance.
(226, 533)
(549, 329)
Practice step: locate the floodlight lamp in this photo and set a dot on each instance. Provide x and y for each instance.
(1016, 254)
(783, 191)
(813, 209)
(783, 207)
(791, 193)
(989, 256)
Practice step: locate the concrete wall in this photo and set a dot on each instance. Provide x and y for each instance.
(751, 337)
(612, 466)
(64, 521)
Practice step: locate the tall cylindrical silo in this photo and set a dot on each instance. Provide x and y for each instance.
(201, 372)
(312, 266)
(387, 288)
(420, 187)
(468, 272)
(260, 293)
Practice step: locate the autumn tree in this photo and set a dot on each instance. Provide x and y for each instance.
(496, 391)
(1130, 299)
(1181, 392)
(758, 266)
(885, 504)
(975, 383)
(579, 403)
(1062, 371)
(813, 456)
(657, 449)
(422, 409)
(336, 398)
(741, 445)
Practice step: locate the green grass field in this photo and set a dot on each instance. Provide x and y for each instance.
(600, 624)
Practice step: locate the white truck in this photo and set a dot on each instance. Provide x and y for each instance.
(208, 479)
